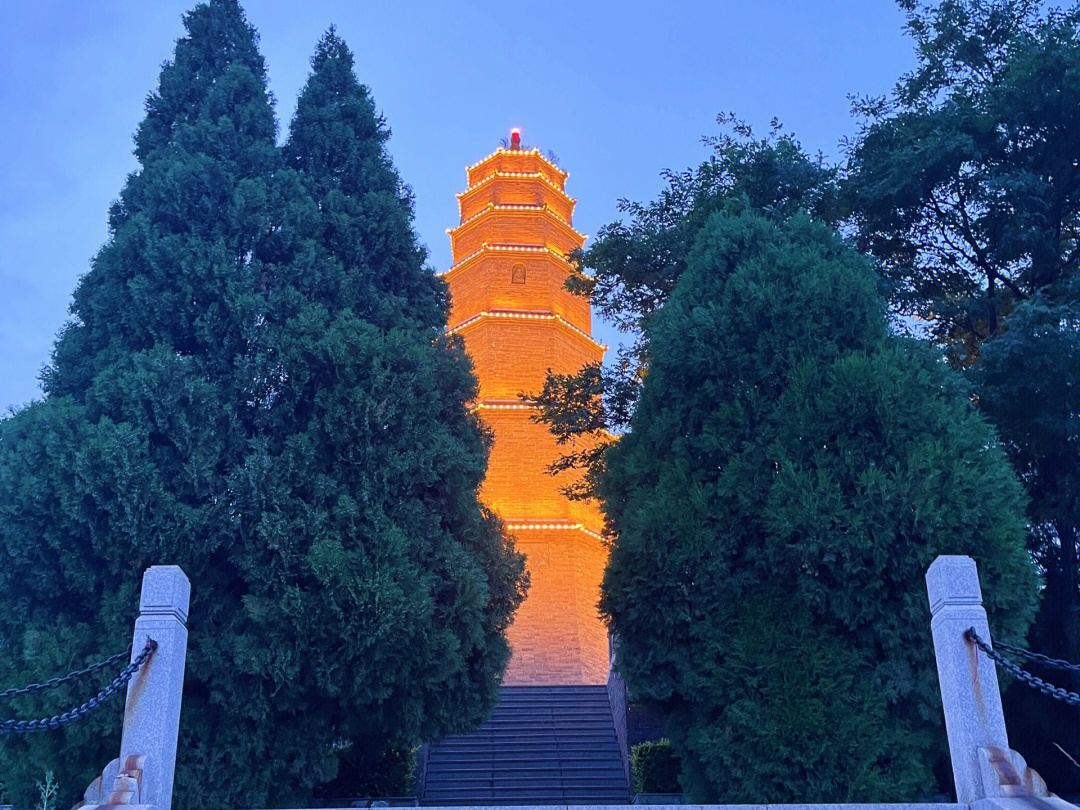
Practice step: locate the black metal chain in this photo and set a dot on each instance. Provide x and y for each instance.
(1034, 681)
(58, 720)
(1045, 660)
(52, 683)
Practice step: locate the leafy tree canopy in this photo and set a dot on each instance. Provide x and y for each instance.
(1027, 385)
(964, 184)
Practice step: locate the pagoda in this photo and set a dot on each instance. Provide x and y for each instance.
(510, 305)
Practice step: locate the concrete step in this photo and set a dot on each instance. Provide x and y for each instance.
(525, 797)
(473, 769)
(578, 719)
(539, 779)
(542, 745)
(512, 739)
(586, 756)
(568, 729)
(531, 723)
(522, 799)
(553, 702)
(497, 761)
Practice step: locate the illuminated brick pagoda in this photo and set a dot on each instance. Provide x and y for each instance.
(510, 305)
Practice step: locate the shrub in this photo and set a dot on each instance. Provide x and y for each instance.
(654, 767)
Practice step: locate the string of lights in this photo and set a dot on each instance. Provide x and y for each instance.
(499, 173)
(534, 152)
(517, 526)
(525, 315)
(489, 248)
(516, 208)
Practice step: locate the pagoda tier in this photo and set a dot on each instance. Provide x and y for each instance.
(515, 188)
(484, 282)
(522, 224)
(510, 305)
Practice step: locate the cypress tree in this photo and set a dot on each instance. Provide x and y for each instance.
(128, 460)
(337, 142)
(240, 395)
(791, 470)
(371, 304)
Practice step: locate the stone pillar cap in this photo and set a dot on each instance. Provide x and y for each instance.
(166, 591)
(953, 580)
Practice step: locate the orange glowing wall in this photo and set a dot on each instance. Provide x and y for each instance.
(509, 304)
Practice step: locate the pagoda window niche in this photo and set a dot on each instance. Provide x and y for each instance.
(517, 274)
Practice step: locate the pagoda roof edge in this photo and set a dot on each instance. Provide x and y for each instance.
(489, 248)
(530, 315)
(517, 207)
(502, 150)
(495, 175)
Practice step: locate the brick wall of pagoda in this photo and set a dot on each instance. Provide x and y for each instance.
(509, 304)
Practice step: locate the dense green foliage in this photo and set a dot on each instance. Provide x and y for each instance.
(1028, 386)
(964, 183)
(372, 772)
(631, 269)
(256, 386)
(791, 470)
(965, 186)
(654, 767)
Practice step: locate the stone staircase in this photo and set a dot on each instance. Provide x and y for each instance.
(542, 745)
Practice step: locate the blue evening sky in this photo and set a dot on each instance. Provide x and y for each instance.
(618, 90)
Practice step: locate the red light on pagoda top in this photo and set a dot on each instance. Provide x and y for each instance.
(515, 138)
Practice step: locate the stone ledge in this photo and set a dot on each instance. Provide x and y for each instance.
(998, 804)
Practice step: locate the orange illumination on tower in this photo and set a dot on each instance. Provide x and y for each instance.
(509, 303)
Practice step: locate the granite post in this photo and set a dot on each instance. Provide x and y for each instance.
(152, 707)
(970, 695)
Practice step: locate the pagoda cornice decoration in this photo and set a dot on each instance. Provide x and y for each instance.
(558, 525)
(534, 152)
(561, 229)
(501, 174)
(539, 207)
(486, 248)
(525, 315)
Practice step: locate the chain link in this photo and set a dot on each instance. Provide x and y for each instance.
(1034, 681)
(1045, 660)
(58, 720)
(52, 683)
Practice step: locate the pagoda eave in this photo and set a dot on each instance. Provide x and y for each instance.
(515, 187)
(516, 156)
(481, 317)
(502, 175)
(513, 209)
(523, 249)
(555, 525)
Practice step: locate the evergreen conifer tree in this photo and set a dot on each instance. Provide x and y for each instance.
(255, 387)
(791, 470)
(631, 268)
(337, 142)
